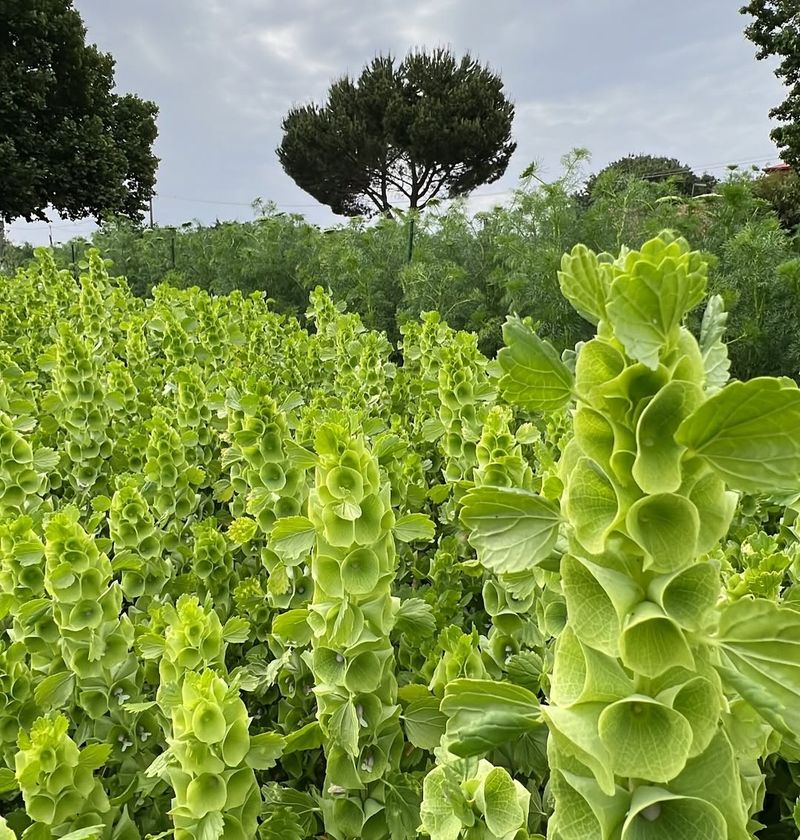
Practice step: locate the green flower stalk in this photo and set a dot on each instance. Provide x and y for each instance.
(93, 300)
(94, 638)
(266, 483)
(16, 698)
(351, 615)
(216, 794)
(185, 637)
(212, 564)
(172, 482)
(474, 800)
(23, 478)
(56, 779)
(269, 485)
(645, 732)
(78, 404)
(463, 389)
(21, 563)
(194, 416)
(137, 544)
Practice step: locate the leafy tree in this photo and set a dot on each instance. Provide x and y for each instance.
(650, 168)
(775, 30)
(66, 140)
(782, 191)
(429, 125)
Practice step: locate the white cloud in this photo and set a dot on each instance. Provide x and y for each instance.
(616, 76)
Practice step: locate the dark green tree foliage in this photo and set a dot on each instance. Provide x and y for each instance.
(782, 191)
(775, 30)
(66, 140)
(429, 125)
(650, 168)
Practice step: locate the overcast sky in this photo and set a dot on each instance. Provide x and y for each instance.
(676, 78)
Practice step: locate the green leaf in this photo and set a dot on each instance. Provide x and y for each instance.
(265, 750)
(45, 460)
(54, 691)
(150, 646)
(442, 796)
(87, 833)
(210, 827)
(101, 503)
(94, 756)
(139, 707)
(498, 798)
(8, 781)
(158, 766)
(403, 794)
(526, 669)
(512, 529)
(482, 714)
(415, 619)
(414, 527)
(438, 493)
(584, 284)
(749, 433)
(713, 349)
(760, 646)
(535, 378)
(292, 536)
(308, 737)
(292, 626)
(424, 723)
(236, 630)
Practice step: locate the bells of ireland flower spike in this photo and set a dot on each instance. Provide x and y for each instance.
(56, 779)
(637, 710)
(215, 789)
(351, 616)
(95, 640)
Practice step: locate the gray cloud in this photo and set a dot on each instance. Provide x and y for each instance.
(616, 76)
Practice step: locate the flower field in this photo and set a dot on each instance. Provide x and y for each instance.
(278, 578)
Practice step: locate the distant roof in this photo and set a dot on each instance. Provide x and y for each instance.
(778, 167)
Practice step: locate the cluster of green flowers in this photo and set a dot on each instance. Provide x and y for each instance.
(351, 617)
(230, 543)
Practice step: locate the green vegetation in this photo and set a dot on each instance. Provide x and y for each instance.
(475, 270)
(67, 142)
(775, 30)
(266, 578)
(405, 132)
